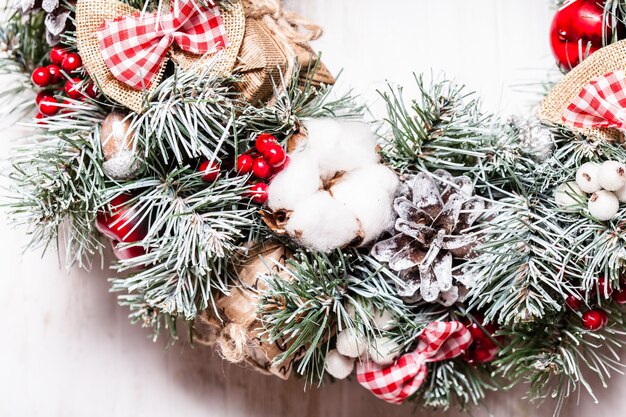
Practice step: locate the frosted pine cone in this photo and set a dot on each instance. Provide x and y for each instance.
(434, 212)
(56, 16)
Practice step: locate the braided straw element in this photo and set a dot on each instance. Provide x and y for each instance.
(91, 14)
(605, 60)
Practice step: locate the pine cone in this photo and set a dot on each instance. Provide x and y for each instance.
(434, 213)
(56, 16)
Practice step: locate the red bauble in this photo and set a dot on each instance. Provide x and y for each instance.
(274, 154)
(261, 169)
(481, 351)
(71, 88)
(620, 296)
(55, 73)
(49, 106)
(43, 94)
(210, 171)
(126, 253)
(258, 192)
(577, 26)
(41, 76)
(57, 54)
(71, 62)
(122, 223)
(263, 140)
(594, 319)
(244, 164)
(574, 302)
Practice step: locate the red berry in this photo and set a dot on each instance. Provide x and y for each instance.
(274, 154)
(604, 288)
(71, 62)
(41, 76)
(261, 169)
(210, 170)
(620, 296)
(40, 118)
(594, 319)
(258, 192)
(605, 316)
(43, 94)
(481, 352)
(57, 54)
(67, 107)
(49, 106)
(574, 302)
(263, 140)
(284, 165)
(91, 90)
(55, 73)
(244, 164)
(71, 88)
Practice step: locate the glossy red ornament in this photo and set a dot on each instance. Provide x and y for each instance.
(258, 192)
(604, 288)
(574, 302)
(41, 77)
(577, 28)
(594, 319)
(120, 222)
(481, 351)
(274, 154)
(43, 94)
(261, 169)
(620, 296)
(71, 88)
(49, 106)
(127, 252)
(71, 62)
(263, 140)
(57, 54)
(210, 170)
(244, 164)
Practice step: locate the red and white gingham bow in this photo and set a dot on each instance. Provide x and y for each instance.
(600, 104)
(134, 46)
(439, 341)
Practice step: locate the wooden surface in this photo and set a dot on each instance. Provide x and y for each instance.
(67, 349)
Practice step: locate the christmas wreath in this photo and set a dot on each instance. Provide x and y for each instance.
(439, 254)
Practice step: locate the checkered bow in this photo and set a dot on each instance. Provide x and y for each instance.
(600, 104)
(134, 46)
(395, 383)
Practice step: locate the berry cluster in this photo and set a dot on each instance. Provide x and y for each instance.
(57, 77)
(263, 162)
(596, 318)
(484, 347)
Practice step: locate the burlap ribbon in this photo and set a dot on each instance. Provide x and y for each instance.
(237, 331)
(90, 15)
(605, 60)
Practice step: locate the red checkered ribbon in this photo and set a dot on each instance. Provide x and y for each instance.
(439, 341)
(600, 104)
(134, 46)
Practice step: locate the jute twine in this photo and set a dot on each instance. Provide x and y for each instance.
(608, 59)
(90, 15)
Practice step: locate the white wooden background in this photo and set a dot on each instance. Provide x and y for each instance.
(67, 349)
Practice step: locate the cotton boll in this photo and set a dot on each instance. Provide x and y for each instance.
(340, 145)
(568, 194)
(383, 319)
(350, 344)
(383, 351)
(295, 183)
(338, 365)
(612, 175)
(368, 193)
(587, 177)
(322, 223)
(603, 205)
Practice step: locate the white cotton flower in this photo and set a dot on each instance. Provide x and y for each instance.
(383, 351)
(322, 223)
(350, 344)
(337, 365)
(295, 183)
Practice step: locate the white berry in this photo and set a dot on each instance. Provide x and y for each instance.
(383, 320)
(603, 205)
(568, 194)
(383, 351)
(338, 365)
(612, 175)
(621, 194)
(587, 177)
(350, 344)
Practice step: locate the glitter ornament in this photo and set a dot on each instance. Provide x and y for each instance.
(535, 140)
(118, 147)
(587, 177)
